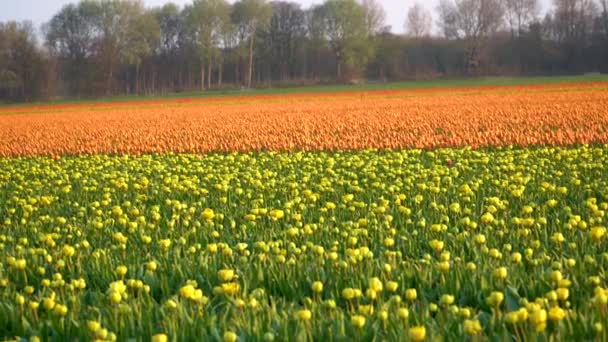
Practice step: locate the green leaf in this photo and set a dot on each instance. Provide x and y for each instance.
(512, 299)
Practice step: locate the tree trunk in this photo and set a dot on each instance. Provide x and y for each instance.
(219, 74)
(109, 79)
(250, 60)
(317, 68)
(180, 79)
(605, 17)
(471, 56)
(237, 73)
(259, 75)
(209, 75)
(520, 56)
(145, 86)
(202, 76)
(137, 78)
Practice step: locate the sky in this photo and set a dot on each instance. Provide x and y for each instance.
(40, 11)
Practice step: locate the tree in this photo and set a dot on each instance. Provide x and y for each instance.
(317, 41)
(142, 38)
(471, 20)
(520, 14)
(95, 47)
(605, 15)
(573, 18)
(375, 16)
(418, 22)
(284, 37)
(251, 16)
(600, 37)
(388, 60)
(72, 34)
(167, 64)
(169, 22)
(229, 42)
(572, 25)
(128, 34)
(345, 27)
(207, 19)
(22, 65)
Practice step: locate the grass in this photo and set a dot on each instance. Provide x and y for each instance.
(438, 83)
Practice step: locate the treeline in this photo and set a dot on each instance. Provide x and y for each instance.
(101, 48)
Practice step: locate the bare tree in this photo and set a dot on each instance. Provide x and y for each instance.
(375, 16)
(605, 15)
(520, 13)
(418, 22)
(574, 19)
(471, 20)
(448, 19)
(572, 28)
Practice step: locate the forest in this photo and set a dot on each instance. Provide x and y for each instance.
(117, 47)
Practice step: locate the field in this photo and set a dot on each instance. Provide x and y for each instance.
(444, 213)
(532, 115)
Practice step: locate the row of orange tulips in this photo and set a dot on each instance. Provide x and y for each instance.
(476, 117)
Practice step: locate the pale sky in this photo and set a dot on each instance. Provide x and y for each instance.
(40, 11)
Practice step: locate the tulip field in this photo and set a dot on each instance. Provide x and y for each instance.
(451, 214)
(562, 114)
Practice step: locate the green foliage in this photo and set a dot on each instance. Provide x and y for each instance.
(207, 21)
(22, 65)
(111, 47)
(251, 15)
(344, 27)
